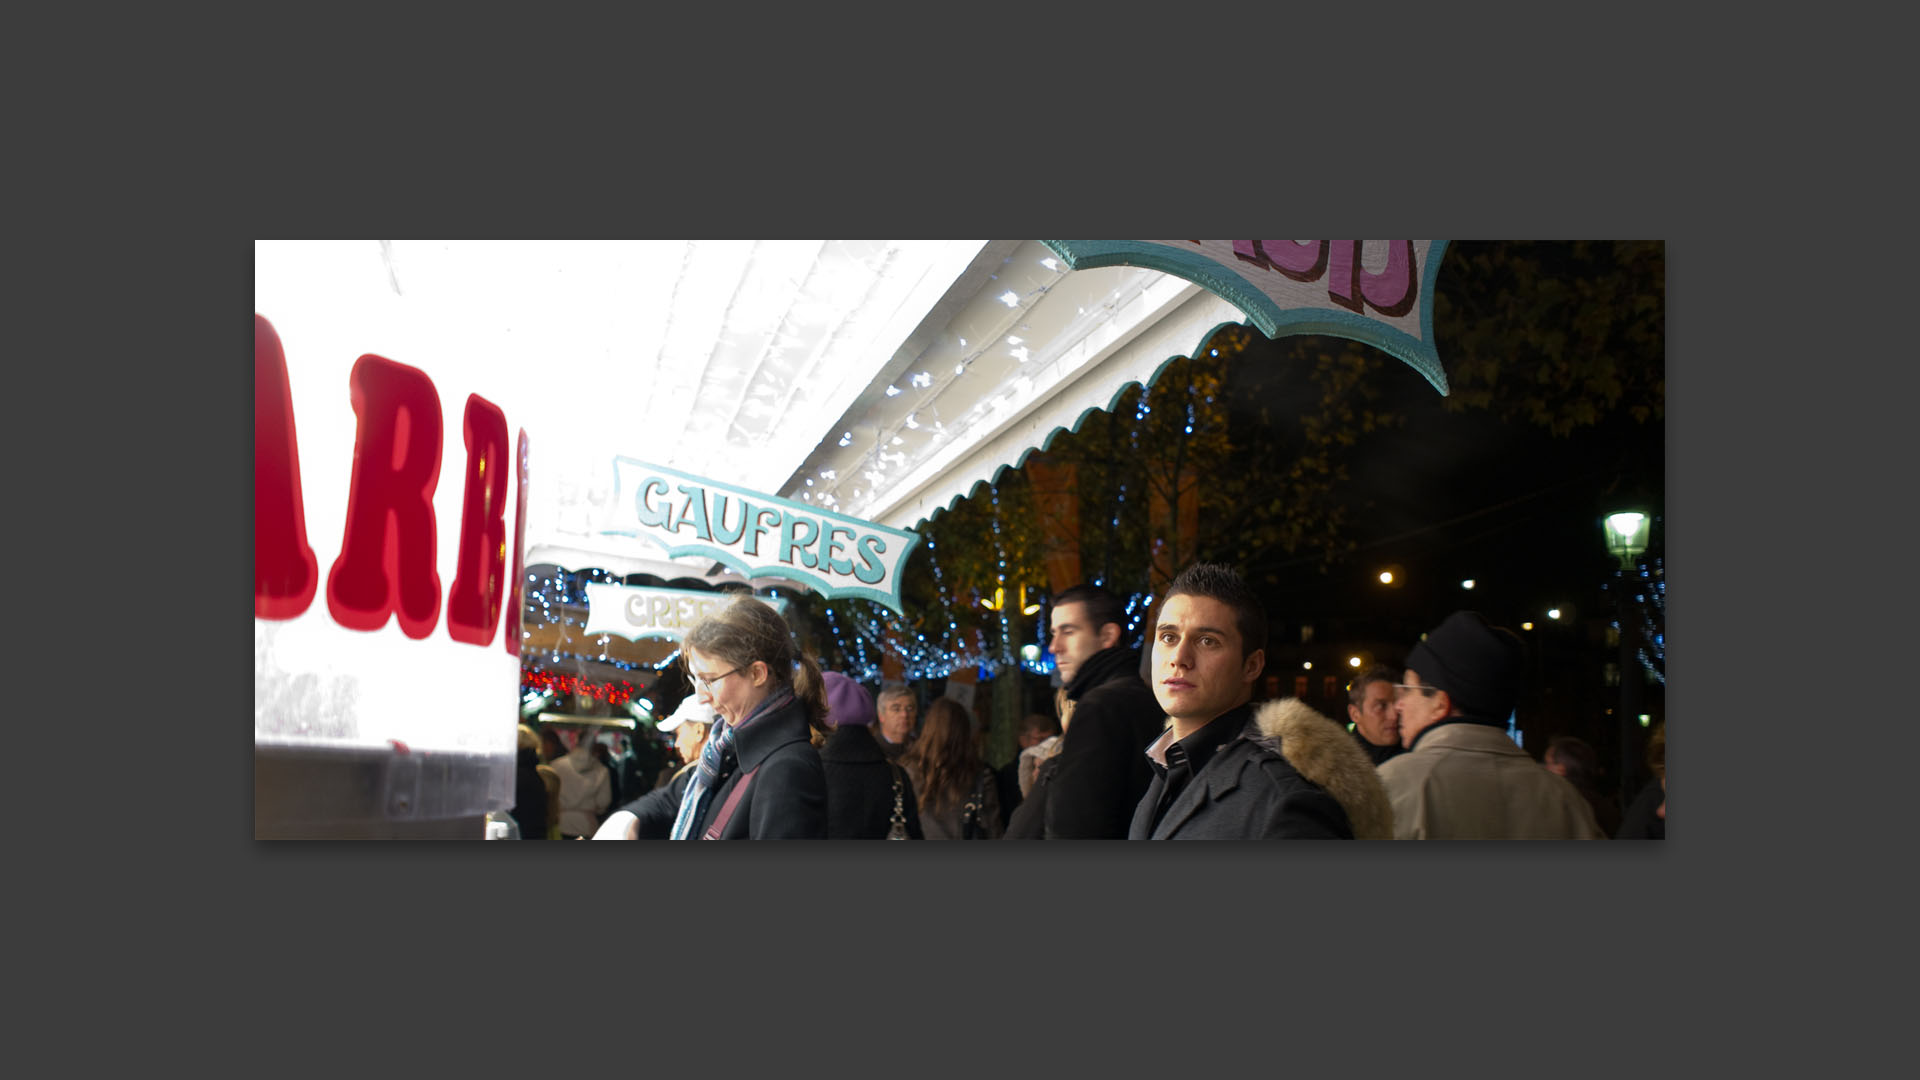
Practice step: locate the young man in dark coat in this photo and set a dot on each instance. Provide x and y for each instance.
(863, 787)
(1108, 716)
(1223, 771)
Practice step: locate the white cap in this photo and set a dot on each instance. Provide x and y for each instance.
(691, 708)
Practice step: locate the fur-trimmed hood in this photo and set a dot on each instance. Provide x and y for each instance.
(1324, 753)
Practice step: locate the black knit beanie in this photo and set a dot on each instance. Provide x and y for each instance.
(1477, 664)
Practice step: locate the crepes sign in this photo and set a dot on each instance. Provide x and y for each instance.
(757, 534)
(637, 611)
(1375, 291)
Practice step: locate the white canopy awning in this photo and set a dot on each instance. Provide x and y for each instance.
(881, 379)
(1027, 353)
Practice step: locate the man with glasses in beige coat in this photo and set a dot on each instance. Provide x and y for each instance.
(1462, 778)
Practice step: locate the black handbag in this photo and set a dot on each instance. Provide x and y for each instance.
(970, 826)
(898, 830)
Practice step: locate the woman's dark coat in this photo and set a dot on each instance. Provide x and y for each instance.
(786, 799)
(787, 796)
(860, 787)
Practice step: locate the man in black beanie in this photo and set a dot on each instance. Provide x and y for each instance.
(1462, 777)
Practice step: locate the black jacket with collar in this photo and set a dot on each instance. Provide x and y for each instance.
(1248, 790)
(787, 797)
(860, 787)
(1102, 769)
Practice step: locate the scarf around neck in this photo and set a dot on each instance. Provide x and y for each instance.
(1100, 667)
(717, 761)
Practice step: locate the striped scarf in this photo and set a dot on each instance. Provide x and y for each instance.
(717, 762)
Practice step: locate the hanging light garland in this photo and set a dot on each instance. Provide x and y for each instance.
(1648, 590)
(1007, 655)
(940, 590)
(863, 669)
(889, 634)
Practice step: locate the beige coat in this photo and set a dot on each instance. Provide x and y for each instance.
(1469, 781)
(585, 792)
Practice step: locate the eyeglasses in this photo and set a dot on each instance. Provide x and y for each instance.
(705, 683)
(1401, 690)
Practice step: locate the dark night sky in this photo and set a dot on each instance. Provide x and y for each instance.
(1451, 495)
(1458, 494)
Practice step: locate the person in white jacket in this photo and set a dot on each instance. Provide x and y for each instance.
(586, 789)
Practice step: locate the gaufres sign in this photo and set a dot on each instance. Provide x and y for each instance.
(1375, 291)
(759, 535)
(636, 611)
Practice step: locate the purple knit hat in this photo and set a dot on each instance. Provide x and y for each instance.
(848, 703)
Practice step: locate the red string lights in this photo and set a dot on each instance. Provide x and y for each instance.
(619, 693)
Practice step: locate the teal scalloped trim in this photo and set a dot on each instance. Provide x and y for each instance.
(1047, 443)
(1261, 311)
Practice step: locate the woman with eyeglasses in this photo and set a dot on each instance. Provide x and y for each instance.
(759, 776)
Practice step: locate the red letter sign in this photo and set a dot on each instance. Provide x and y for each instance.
(387, 555)
(285, 573)
(511, 638)
(473, 607)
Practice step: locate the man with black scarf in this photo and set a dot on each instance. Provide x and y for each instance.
(1108, 715)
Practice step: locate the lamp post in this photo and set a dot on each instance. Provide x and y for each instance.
(1627, 539)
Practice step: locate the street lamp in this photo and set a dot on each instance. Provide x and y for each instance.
(1627, 535)
(1626, 532)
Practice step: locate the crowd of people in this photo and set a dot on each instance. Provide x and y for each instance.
(1166, 745)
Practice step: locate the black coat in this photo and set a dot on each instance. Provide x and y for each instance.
(1029, 819)
(1007, 779)
(657, 808)
(1103, 769)
(1640, 822)
(787, 797)
(1246, 791)
(860, 787)
(529, 797)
